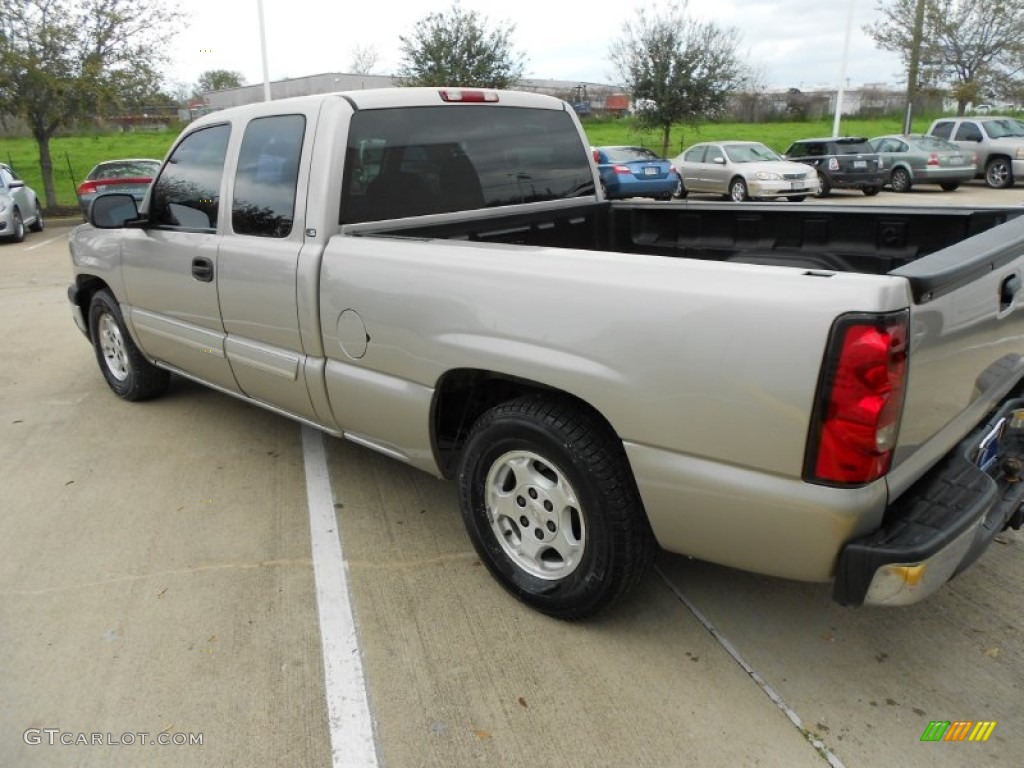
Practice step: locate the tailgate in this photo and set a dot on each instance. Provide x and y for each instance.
(967, 343)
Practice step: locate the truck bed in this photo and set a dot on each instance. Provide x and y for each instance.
(866, 239)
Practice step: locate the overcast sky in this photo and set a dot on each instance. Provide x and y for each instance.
(792, 43)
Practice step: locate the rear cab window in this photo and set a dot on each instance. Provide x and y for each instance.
(414, 161)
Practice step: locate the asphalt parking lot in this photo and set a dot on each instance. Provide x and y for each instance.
(167, 598)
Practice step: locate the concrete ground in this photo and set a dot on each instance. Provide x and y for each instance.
(157, 585)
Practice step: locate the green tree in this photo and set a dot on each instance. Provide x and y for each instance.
(975, 49)
(459, 47)
(680, 69)
(62, 61)
(218, 80)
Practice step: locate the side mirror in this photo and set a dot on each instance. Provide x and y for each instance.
(15, 184)
(719, 161)
(113, 211)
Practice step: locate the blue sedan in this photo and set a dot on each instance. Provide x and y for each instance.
(635, 172)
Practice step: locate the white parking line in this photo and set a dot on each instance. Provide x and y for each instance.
(46, 242)
(770, 692)
(348, 708)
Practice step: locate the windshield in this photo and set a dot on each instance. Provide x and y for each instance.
(750, 153)
(1000, 129)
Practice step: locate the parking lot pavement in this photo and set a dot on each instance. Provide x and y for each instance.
(157, 577)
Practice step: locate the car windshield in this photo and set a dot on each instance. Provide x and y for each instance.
(125, 169)
(750, 153)
(629, 154)
(1000, 129)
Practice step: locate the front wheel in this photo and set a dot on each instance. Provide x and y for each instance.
(900, 180)
(551, 507)
(738, 191)
(999, 173)
(871, 191)
(681, 191)
(796, 198)
(951, 186)
(17, 226)
(127, 372)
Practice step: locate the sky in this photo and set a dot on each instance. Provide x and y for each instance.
(790, 43)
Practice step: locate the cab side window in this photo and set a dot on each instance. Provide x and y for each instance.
(268, 171)
(943, 130)
(968, 132)
(187, 193)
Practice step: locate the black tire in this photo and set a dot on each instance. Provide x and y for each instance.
(738, 192)
(127, 372)
(999, 173)
(17, 227)
(37, 225)
(681, 191)
(796, 198)
(826, 188)
(563, 475)
(871, 191)
(900, 180)
(950, 186)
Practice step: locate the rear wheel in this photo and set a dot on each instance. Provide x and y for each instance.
(871, 191)
(826, 188)
(738, 190)
(796, 198)
(900, 180)
(999, 173)
(127, 372)
(551, 506)
(950, 186)
(37, 225)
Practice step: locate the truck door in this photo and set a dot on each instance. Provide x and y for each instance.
(170, 266)
(258, 274)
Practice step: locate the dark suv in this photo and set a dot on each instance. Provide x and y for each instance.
(846, 162)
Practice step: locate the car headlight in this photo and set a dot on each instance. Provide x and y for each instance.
(766, 176)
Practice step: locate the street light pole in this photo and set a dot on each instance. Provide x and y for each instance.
(263, 52)
(842, 70)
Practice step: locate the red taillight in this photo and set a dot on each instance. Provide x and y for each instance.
(87, 187)
(90, 187)
(933, 159)
(597, 157)
(467, 95)
(621, 169)
(860, 400)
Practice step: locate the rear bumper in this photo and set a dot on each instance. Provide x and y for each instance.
(856, 180)
(940, 525)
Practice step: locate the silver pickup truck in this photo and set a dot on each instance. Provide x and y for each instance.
(813, 392)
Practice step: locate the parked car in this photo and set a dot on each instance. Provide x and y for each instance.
(743, 170)
(999, 142)
(919, 159)
(842, 162)
(131, 176)
(635, 172)
(19, 206)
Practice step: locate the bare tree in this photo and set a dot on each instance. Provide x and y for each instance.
(365, 59)
(973, 48)
(682, 69)
(65, 60)
(460, 47)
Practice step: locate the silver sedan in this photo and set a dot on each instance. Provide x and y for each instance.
(743, 170)
(19, 206)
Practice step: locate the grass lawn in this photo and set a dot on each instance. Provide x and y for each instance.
(74, 156)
